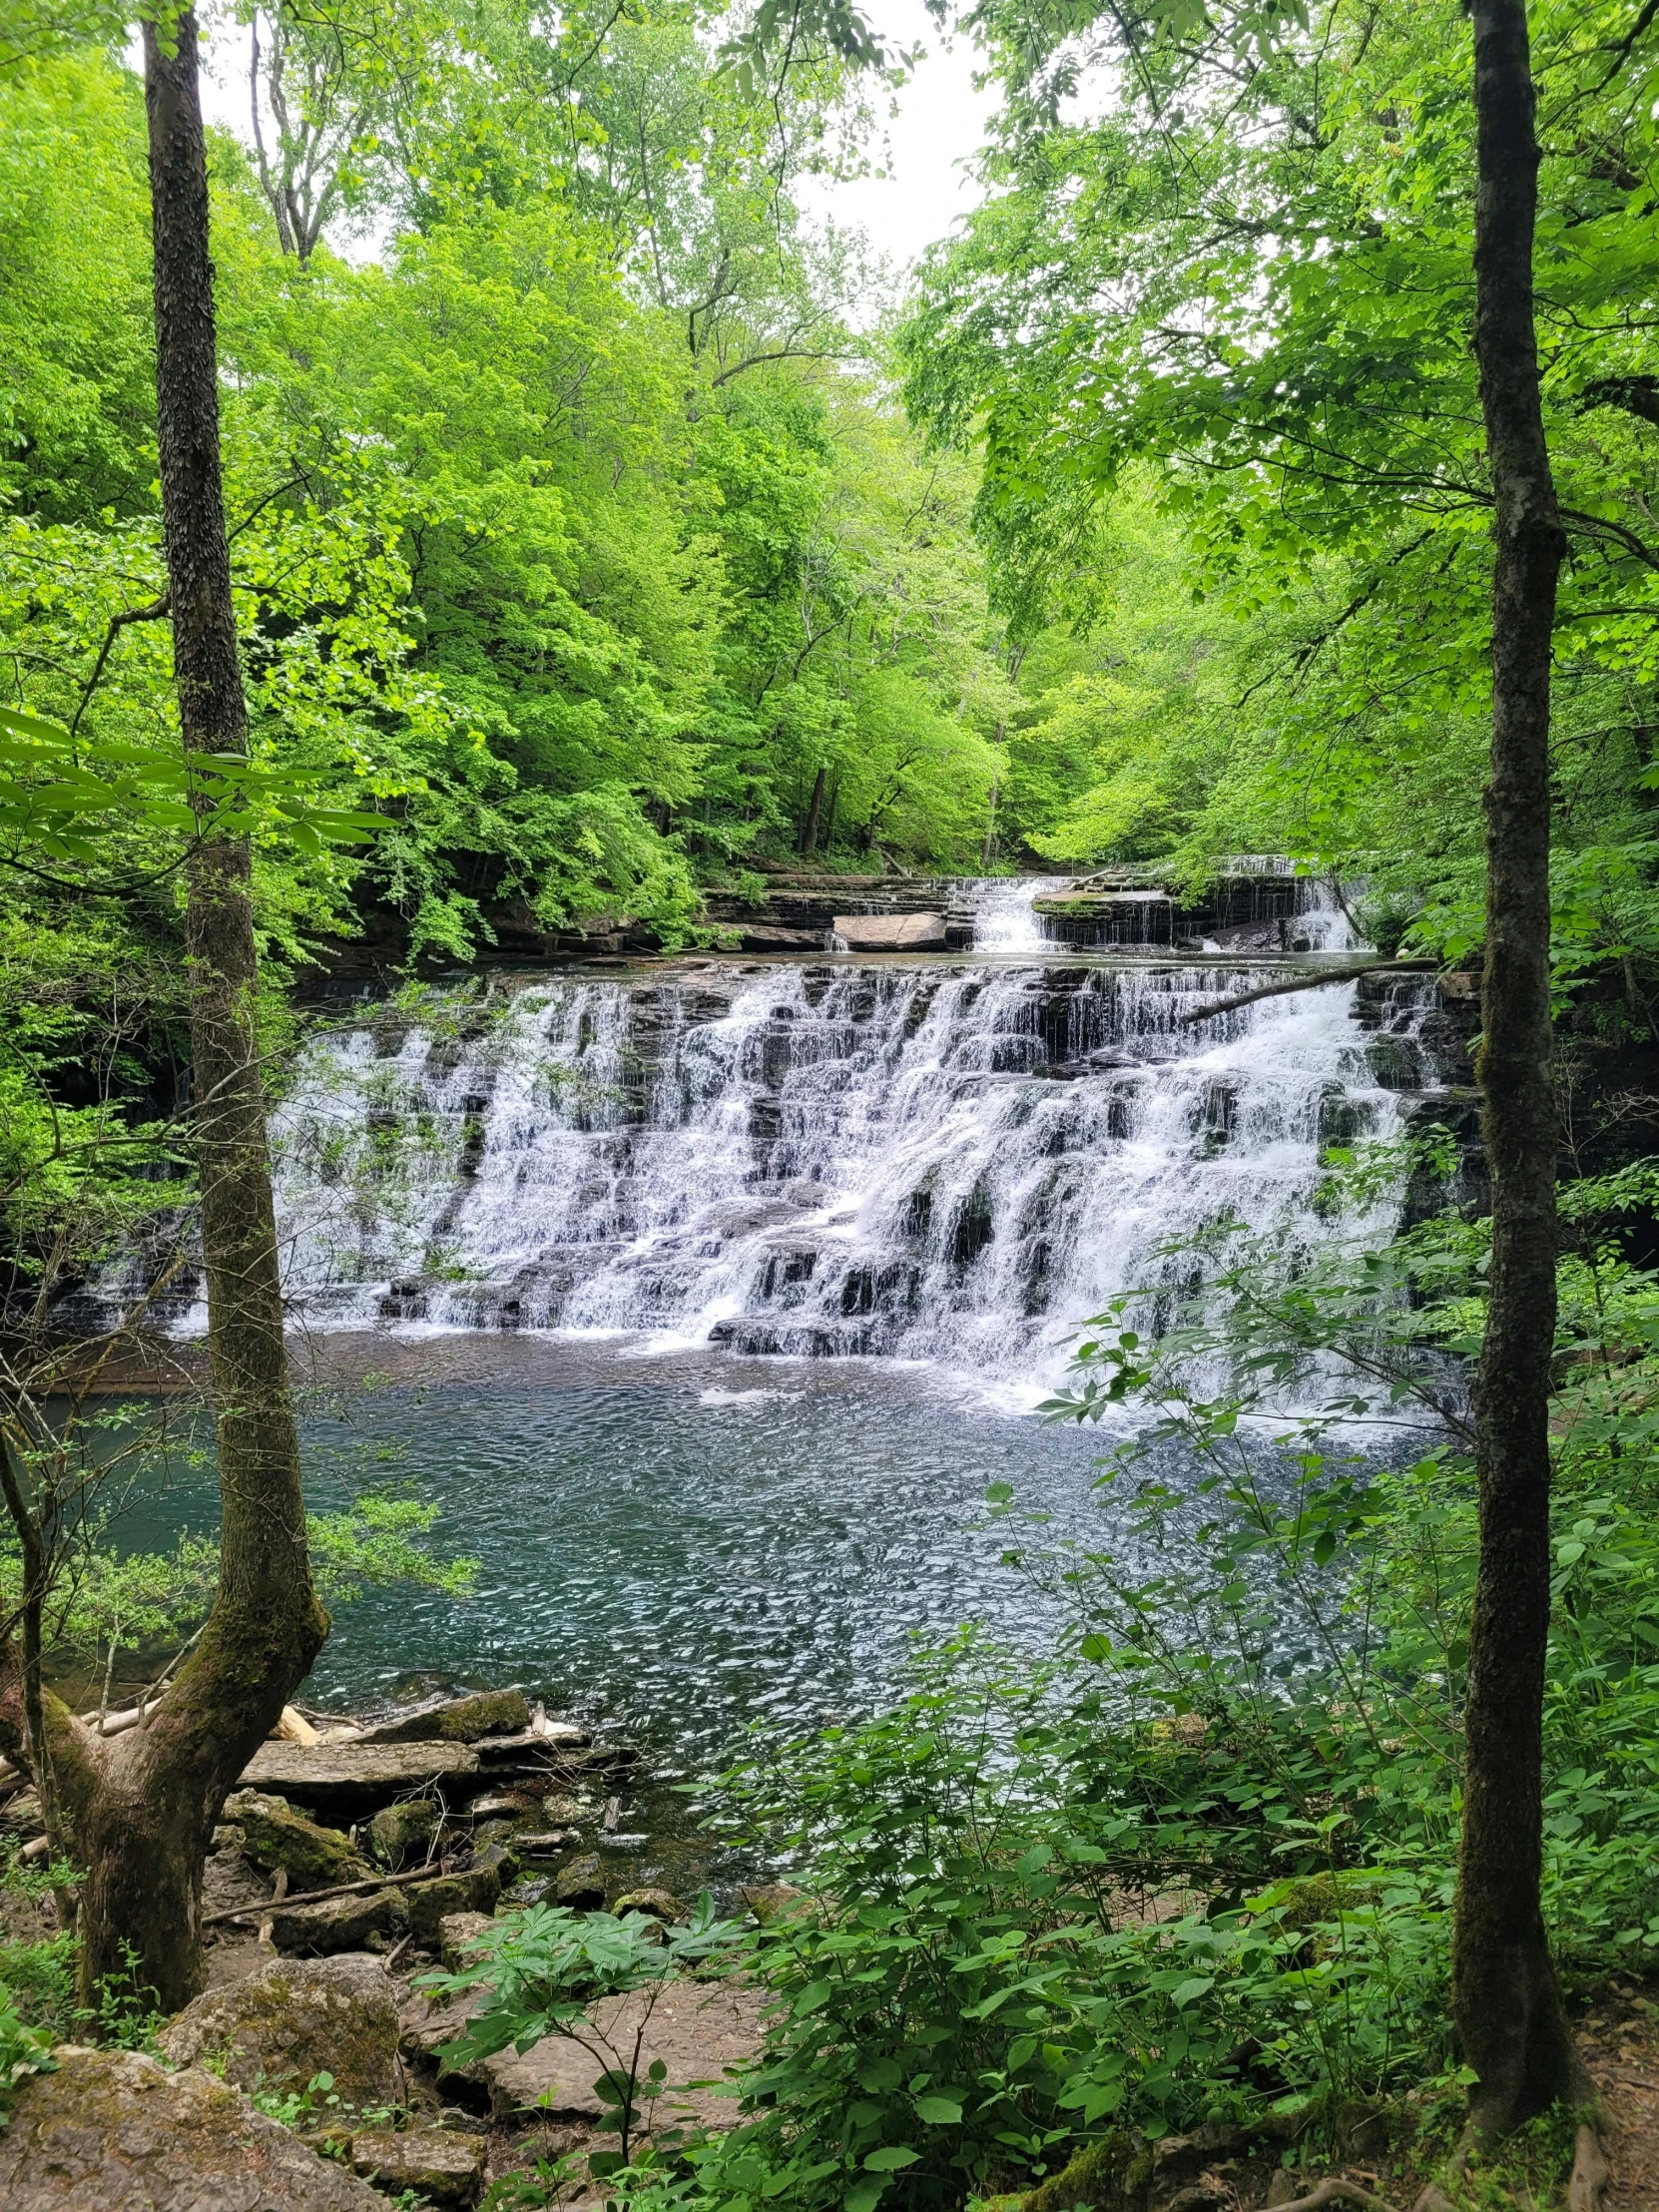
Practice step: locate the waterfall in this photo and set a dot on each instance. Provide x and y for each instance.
(1003, 920)
(950, 1160)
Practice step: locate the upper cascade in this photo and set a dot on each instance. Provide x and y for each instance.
(956, 1160)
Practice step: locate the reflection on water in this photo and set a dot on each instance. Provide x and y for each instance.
(680, 1549)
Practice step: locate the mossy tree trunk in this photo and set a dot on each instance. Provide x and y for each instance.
(139, 1809)
(1504, 1993)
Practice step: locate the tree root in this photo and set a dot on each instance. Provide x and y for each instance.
(1334, 2190)
(1591, 2173)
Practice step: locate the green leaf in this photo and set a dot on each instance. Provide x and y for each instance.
(939, 2111)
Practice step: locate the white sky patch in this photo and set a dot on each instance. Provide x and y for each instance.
(940, 124)
(923, 151)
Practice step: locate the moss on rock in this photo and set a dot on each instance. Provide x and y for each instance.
(1110, 2175)
(113, 2131)
(277, 1837)
(293, 2018)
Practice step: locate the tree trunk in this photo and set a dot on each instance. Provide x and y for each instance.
(1504, 1993)
(139, 1809)
(809, 834)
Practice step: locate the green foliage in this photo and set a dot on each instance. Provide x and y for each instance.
(558, 550)
(39, 2006)
(105, 1601)
(24, 2050)
(1280, 401)
(378, 1540)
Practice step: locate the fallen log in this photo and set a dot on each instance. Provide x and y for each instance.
(431, 1872)
(1216, 1006)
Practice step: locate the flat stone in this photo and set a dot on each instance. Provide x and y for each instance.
(439, 2163)
(275, 1836)
(546, 1843)
(458, 1720)
(296, 2017)
(352, 1780)
(503, 1805)
(113, 2131)
(891, 932)
(762, 940)
(338, 1923)
(698, 2031)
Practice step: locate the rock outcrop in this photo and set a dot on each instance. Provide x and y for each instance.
(458, 1720)
(114, 2131)
(294, 2019)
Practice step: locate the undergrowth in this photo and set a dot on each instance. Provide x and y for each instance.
(1199, 1866)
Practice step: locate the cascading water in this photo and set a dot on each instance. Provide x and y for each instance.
(955, 1161)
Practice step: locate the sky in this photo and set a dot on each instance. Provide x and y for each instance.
(938, 125)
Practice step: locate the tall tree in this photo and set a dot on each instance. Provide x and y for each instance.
(1504, 1993)
(138, 1810)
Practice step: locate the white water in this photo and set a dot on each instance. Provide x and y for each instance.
(957, 1162)
(1003, 921)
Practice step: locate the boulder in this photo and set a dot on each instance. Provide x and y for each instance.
(458, 1720)
(440, 2164)
(769, 1899)
(580, 1884)
(656, 1905)
(431, 1903)
(495, 1858)
(113, 2131)
(337, 1923)
(350, 1781)
(457, 1933)
(891, 932)
(275, 1836)
(399, 1834)
(293, 2018)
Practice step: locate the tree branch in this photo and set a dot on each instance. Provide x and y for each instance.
(1305, 983)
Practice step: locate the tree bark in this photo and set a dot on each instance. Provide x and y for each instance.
(139, 1810)
(1504, 1993)
(809, 834)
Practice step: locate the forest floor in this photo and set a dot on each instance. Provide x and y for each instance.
(1619, 2037)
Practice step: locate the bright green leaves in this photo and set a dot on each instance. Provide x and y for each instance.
(67, 803)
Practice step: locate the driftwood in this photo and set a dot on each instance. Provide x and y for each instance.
(340, 1889)
(1307, 983)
